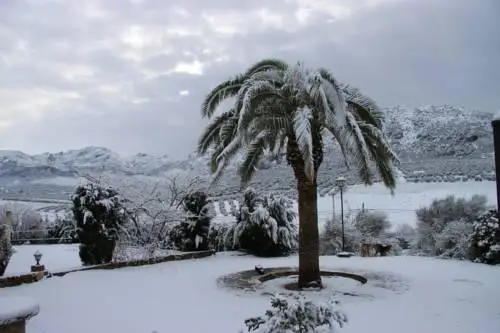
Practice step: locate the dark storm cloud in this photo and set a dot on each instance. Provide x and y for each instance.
(110, 72)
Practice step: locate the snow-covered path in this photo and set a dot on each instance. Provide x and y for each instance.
(443, 296)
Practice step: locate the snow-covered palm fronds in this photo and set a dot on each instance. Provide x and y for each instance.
(275, 102)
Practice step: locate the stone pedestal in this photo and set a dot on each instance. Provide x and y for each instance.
(37, 268)
(14, 312)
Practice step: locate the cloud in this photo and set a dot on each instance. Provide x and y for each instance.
(131, 75)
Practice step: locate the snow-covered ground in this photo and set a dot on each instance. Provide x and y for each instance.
(401, 207)
(440, 296)
(55, 257)
(59, 257)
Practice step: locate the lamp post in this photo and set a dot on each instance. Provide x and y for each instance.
(340, 182)
(37, 268)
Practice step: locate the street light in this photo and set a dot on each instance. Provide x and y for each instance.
(340, 183)
(38, 257)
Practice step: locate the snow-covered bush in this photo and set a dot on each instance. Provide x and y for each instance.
(265, 226)
(99, 215)
(192, 233)
(63, 229)
(405, 234)
(5, 245)
(220, 236)
(330, 238)
(432, 220)
(454, 240)
(372, 224)
(298, 315)
(485, 240)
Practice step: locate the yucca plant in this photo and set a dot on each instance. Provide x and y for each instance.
(286, 109)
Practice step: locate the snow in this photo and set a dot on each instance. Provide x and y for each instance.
(13, 309)
(54, 257)
(436, 296)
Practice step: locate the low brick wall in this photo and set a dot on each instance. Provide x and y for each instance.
(17, 280)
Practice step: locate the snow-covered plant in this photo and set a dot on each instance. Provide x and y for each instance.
(331, 235)
(152, 207)
(485, 240)
(454, 240)
(5, 245)
(99, 214)
(432, 220)
(372, 224)
(220, 236)
(265, 226)
(298, 315)
(192, 233)
(405, 234)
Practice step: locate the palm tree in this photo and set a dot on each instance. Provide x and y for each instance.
(287, 109)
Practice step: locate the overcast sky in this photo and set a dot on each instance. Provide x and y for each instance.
(130, 75)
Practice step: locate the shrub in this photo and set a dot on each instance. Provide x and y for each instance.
(98, 214)
(265, 226)
(372, 224)
(5, 245)
(192, 234)
(331, 236)
(220, 237)
(432, 220)
(298, 316)
(485, 240)
(454, 240)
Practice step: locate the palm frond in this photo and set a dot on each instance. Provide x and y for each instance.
(254, 96)
(303, 135)
(220, 93)
(364, 107)
(211, 133)
(254, 151)
(267, 64)
(360, 154)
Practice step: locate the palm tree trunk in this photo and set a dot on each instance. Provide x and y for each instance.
(309, 273)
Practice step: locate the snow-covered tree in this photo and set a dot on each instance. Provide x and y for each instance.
(153, 206)
(372, 224)
(432, 220)
(298, 315)
(331, 235)
(99, 214)
(5, 245)
(265, 225)
(192, 233)
(454, 240)
(485, 240)
(287, 109)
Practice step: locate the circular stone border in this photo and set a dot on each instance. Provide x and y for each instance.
(250, 280)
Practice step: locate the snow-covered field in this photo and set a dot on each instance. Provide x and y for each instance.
(401, 207)
(440, 296)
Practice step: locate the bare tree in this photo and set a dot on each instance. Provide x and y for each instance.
(153, 206)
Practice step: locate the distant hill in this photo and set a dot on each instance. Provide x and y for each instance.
(434, 143)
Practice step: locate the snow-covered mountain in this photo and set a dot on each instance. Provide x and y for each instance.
(427, 134)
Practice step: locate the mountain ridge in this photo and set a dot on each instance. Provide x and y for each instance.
(420, 135)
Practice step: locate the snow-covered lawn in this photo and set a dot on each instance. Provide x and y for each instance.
(401, 207)
(441, 296)
(55, 257)
(59, 257)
